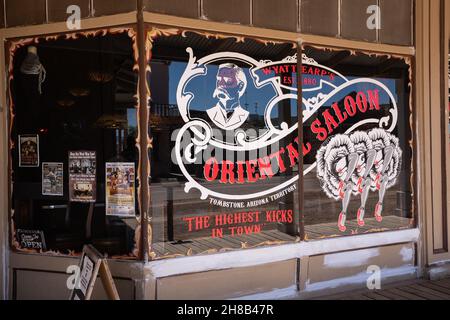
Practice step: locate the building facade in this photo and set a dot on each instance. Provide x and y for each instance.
(215, 150)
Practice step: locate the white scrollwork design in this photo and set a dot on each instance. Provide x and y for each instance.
(203, 133)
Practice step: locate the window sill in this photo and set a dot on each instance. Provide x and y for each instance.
(259, 256)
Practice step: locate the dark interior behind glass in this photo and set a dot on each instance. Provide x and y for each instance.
(87, 103)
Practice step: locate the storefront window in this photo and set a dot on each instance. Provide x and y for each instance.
(73, 136)
(358, 129)
(224, 162)
(225, 144)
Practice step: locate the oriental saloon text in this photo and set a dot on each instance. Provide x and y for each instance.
(250, 171)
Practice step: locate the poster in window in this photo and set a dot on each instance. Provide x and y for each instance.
(82, 176)
(29, 150)
(120, 190)
(52, 179)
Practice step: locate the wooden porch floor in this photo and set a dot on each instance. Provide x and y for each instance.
(419, 289)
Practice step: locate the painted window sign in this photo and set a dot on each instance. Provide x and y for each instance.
(242, 152)
(229, 115)
(350, 123)
(225, 157)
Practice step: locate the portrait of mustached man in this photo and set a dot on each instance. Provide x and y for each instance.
(231, 84)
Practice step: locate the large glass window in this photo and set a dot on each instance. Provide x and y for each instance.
(73, 132)
(358, 127)
(224, 162)
(224, 128)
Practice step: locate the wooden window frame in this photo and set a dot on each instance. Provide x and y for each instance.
(157, 24)
(432, 34)
(142, 19)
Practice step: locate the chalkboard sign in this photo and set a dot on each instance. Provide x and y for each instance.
(31, 239)
(91, 265)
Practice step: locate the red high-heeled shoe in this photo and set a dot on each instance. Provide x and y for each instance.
(378, 210)
(341, 222)
(360, 217)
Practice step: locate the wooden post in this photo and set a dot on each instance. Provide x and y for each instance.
(300, 220)
(143, 134)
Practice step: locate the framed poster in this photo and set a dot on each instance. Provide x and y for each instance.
(82, 176)
(29, 150)
(52, 179)
(120, 190)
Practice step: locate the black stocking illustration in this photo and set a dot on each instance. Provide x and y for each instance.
(346, 190)
(364, 186)
(382, 180)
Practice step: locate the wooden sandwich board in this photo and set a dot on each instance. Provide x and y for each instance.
(93, 264)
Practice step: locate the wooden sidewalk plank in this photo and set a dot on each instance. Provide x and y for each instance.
(376, 296)
(206, 243)
(276, 235)
(413, 289)
(174, 249)
(247, 238)
(357, 297)
(437, 287)
(404, 294)
(264, 237)
(158, 248)
(445, 283)
(225, 242)
(217, 244)
(196, 247)
(430, 291)
(200, 246)
(233, 241)
(390, 295)
(422, 293)
(444, 292)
